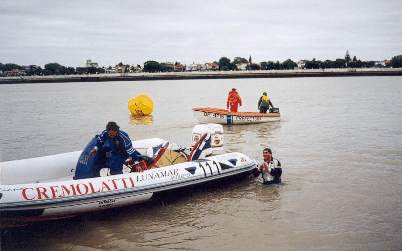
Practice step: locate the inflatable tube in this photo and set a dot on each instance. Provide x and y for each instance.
(62, 197)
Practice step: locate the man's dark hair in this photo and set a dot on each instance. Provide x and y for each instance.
(267, 149)
(111, 125)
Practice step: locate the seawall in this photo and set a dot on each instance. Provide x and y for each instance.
(203, 75)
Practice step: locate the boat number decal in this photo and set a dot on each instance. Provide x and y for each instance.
(61, 191)
(216, 115)
(247, 118)
(230, 118)
(106, 203)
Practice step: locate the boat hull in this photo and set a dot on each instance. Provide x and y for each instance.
(224, 117)
(25, 203)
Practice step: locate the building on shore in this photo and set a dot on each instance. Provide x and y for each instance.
(109, 70)
(90, 63)
(380, 63)
(211, 66)
(14, 73)
(301, 64)
(135, 68)
(195, 67)
(121, 68)
(178, 67)
(242, 66)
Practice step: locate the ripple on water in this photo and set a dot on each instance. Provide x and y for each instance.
(339, 141)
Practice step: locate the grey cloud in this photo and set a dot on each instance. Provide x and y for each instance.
(134, 31)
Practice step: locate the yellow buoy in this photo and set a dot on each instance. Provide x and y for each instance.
(141, 105)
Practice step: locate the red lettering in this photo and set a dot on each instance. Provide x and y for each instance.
(124, 182)
(79, 189)
(54, 191)
(41, 192)
(104, 185)
(65, 190)
(24, 194)
(114, 184)
(132, 182)
(92, 187)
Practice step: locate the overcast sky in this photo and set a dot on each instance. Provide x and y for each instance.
(131, 31)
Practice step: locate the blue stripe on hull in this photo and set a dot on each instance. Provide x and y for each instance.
(229, 119)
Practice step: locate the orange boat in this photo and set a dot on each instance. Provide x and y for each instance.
(222, 116)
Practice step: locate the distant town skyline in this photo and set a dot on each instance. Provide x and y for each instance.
(132, 32)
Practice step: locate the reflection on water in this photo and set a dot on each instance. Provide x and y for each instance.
(341, 160)
(265, 131)
(251, 139)
(141, 120)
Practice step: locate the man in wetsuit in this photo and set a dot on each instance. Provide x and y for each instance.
(270, 169)
(114, 147)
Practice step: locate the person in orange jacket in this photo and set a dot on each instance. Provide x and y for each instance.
(234, 100)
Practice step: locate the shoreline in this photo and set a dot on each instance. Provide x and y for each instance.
(143, 76)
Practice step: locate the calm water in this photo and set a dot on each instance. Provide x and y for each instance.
(340, 141)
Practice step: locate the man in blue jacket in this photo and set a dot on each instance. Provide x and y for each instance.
(114, 147)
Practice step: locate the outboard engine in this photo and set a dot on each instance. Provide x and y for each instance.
(274, 110)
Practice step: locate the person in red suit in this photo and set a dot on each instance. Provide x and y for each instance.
(234, 100)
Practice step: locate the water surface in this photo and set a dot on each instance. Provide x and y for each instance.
(340, 141)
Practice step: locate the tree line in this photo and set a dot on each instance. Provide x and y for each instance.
(226, 64)
(223, 64)
(50, 69)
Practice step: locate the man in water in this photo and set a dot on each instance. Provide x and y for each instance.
(264, 102)
(233, 101)
(270, 169)
(114, 147)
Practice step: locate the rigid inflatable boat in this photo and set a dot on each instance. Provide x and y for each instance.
(222, 116)
(43, 188)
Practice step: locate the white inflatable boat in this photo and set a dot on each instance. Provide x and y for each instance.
(43, 188)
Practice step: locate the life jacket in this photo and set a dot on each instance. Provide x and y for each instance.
(264, 101)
